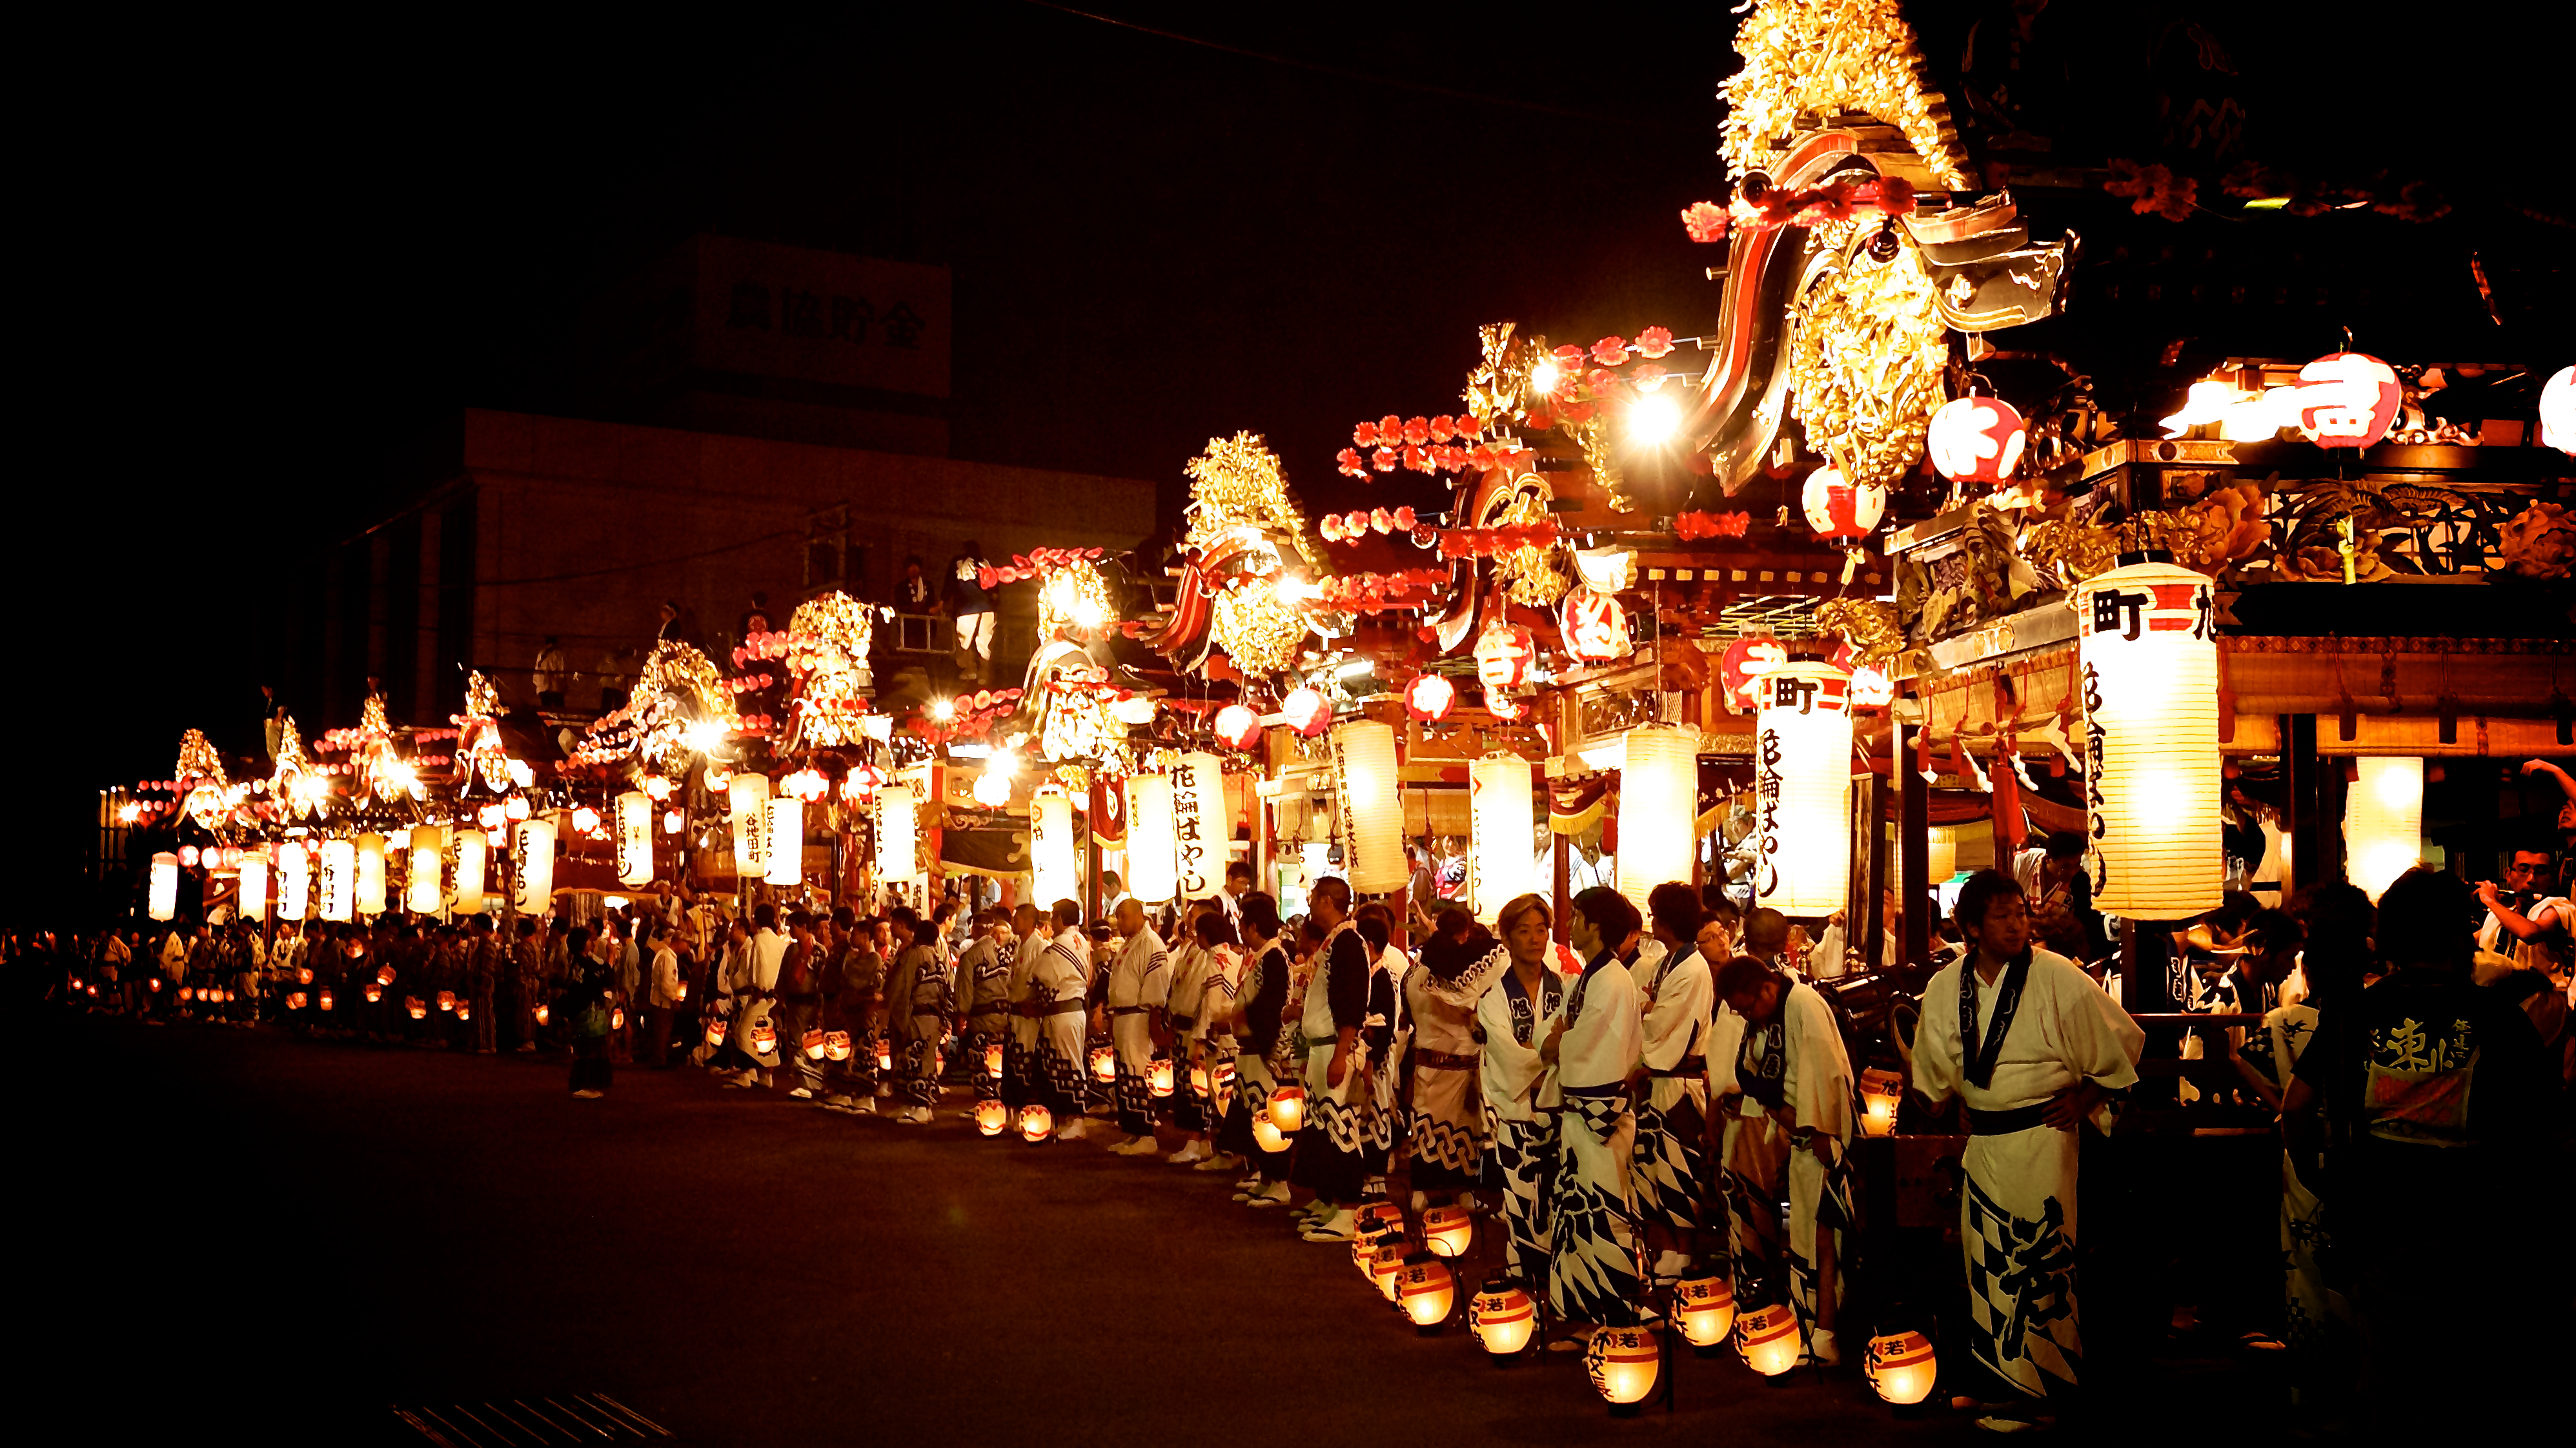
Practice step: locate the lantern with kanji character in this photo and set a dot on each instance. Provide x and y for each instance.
(1503, 1318)
(1768, 1339)
(1624, 1363)
(1593, 625)
(1977, 440)
(1802, 789)
(1448, 1231)
(1839, 511)
(1502, 814)
(1238, 726)
(1880, 1092)
(1426, 1291)
(1505, 653)
(1428, 699)
(1901, 1365)
(2147, 652)
(2346, 399)
(1704, 1309)
(1306, 710)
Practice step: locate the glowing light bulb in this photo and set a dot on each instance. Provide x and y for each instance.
(1543, 378)
(1653, 419)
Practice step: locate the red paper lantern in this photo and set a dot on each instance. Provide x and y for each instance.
(2347, 399)
(1977, 440)
(1595, 627)
(1838, 511)
(1308, 711)
(1504, 706)
(188, 855)
(1504, 652)
(1429, 697)
(1238, 726)
(1745, 662)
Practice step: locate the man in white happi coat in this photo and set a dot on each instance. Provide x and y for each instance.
(1058, 997)
(2033, 1050)
(1140, 979)
(1784, 1083)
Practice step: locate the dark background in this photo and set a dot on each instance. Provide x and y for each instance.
(274, 256)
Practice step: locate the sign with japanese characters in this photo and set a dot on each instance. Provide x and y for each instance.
(1199, 825)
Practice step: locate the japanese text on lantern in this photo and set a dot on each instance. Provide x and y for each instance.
(1767, 793)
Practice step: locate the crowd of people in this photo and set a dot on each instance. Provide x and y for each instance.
(1641, 1099)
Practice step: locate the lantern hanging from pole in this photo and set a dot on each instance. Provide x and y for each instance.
(1505, 652)
(1428, 699)
(1307, 711)
(1502, 818)
(1370, 813)
(371, 875)
(1977, 440)
(1426, 1291)
(2383, 822)
(1503, 1318)
(786, 841)
(1658, 810)
(1803, 758)
(254, 888)
(1704, 1307)
(1838, 511)
(1054, 851)
(1153, 869)
(749, 796)
(1387, 1263)
(1941, 853)
(536, 840)
(1624, 1363)
(2148, 654)
(339, 879)
(163, 901)
(294, 881)
(425, 853)
(473, 854)
(323, 1000)
(1743, 667)
(1448, 1231)
(898, 825)
(1593, 626)
(634, 838)
(1238, 727)
(1768, 1339)
(1880, 1094)
(1901, 1366)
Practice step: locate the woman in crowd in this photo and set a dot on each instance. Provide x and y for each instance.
(1445, 1127)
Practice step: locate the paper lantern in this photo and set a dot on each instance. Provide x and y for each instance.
(1426, 1292)
(304, 975)
(898, 828)
(465, 1010)
(617, 1018)
(2383, 823)
(1265, 1132)
(1658, 810)
(1502, 817)
(836, 1045)
(371, 874)
(993, 1061)
(294, 881)
(764, 1039)
(162, 901)
(1704, 1308)
(2558, 411)
(674, 820)
(991, 1118)
(1747, 662)
(188, 856)
(1036, 1124)
(1428, 699)
(339, 879)
(1593, 626)
(1370, 813)
(1623, 1363)
(1977, 440)
(1104, 1064)
(1880, 1094)
(1288, 1109)
(1378, 1216)
(715, 1034)
(749, 796)
(473, 855)
(1838, 511)
(1055, 851)
(1503, 1318)
(515, 807)
(885, 1053)
(536, 850)
(1153, 869)
(1768, 1339)
(187, 993)
(1238, 726)
(585, 820)
(323, 1000)
(415, 1007)
(1201, 824)
(1941, 853)
(1307, 711)
(542, 1014)
(1386, 1264)
(634, 838)
(447, 1000)
(1448, 1231)
(1901, 1365)
(2346, 399)
(295, 1000)
(1159, 1079)
(385, 974)
(254, 888)
(786, 841)
(2148, 654)
(1505, 654)
(813, 1044)
(1803, 762)
(422, 894)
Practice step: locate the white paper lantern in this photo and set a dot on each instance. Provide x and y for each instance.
(2383, 823)
(1153, 862)
(1055, 855)
(294, 881)
(1943, 854)
(163, 901)
(1802, 791)
(1371, 812)
(1200, 825)
(1658, 804)
(898, 819)
(473, 854)
(750, 799)
(339, 879)
(536, 851)
(786, 841)
(634, 838)
(1502, 817)
(2149, 656)
(424, 893)
(254, 888)
(371, 875)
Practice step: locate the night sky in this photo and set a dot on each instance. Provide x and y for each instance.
(275, 255)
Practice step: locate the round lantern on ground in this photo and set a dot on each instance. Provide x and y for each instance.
(1839, 511)
(715, 1033)
(1307, 711)
(1977, 440)
(2147, 650)
(1503, 1318)
(2346, 399)
(1624, 1363)
(1502, 813)
(836, 1045)
(1593, 626)
(1505, 653)
(1386, 1264)
(991, 1117)
(1288, 1109)
(1238, 727)
(1428, 699)
(163, 900)
(1704, 1307)
(1803, 752)
(1901, 1366)
(1036, 1124)
(1448, 1231)
(814, 1045)
(1768, 1339)
(1426, 1292)
(2383, 822)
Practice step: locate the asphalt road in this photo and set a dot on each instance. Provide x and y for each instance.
(255, 1235)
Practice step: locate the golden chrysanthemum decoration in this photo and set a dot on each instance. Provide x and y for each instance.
(1818, 58)
(198, 759)
(1865, 363)
(1868, 625)
(1238, 482)
(677, 690)
(828, 652)
(1073, 593)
